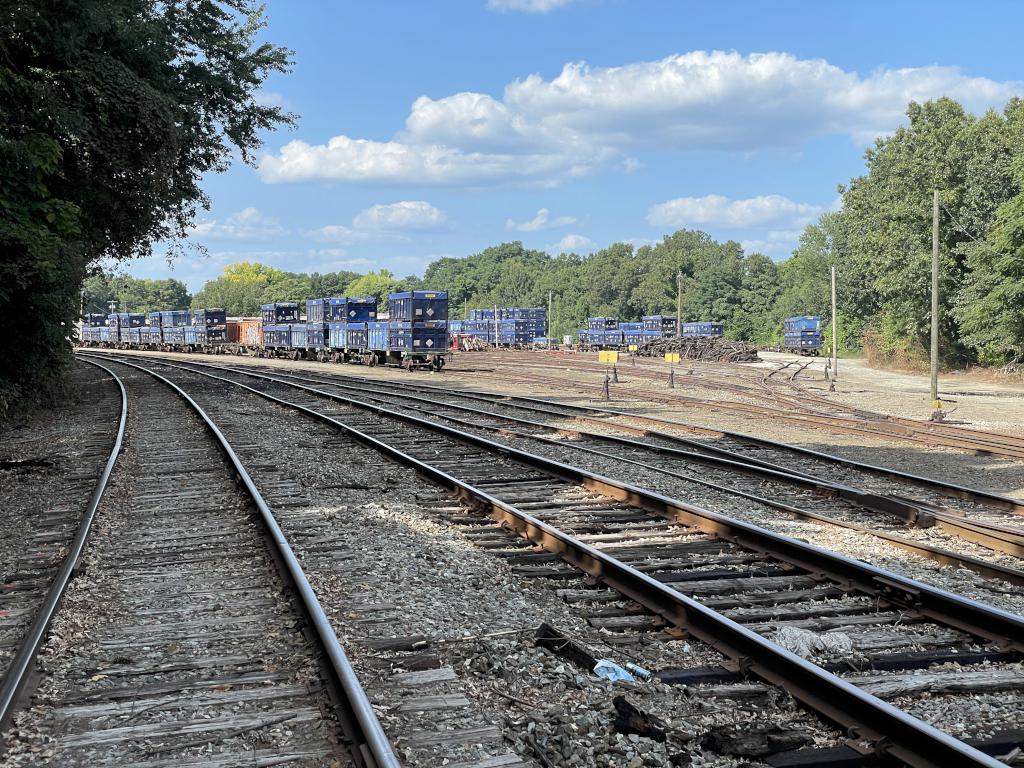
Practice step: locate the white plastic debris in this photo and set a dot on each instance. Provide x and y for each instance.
(609, 670)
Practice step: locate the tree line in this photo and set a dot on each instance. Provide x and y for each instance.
(111, 113)
(879, 241)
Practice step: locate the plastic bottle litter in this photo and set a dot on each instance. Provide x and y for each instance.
(609, 670)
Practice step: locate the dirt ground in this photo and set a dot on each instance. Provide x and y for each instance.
(971, 400)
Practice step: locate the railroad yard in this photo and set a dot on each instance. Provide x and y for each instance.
(277, 562)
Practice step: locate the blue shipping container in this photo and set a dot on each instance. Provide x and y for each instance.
(209, 317)
(279, 312)
(277, 336)
(360, 309)
(316, 335)
(175, 317)
(174, 334)
(356, 336)
(418, 306)
(377, 336)
(315, 310)
(337, 335)
(413, 338)
(602, 323)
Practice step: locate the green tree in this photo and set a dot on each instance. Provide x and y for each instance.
(111, 111)
(991, 306)
(378, 284)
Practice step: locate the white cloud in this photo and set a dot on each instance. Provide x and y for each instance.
(716, 210)
(527, 6)
(540, 222)
(336, 233)
(545, 131)
(405, 215)
(382, 220)
(395, 162)
(247, 224)
(572, 244)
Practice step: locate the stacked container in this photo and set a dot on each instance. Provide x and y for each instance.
(279, 312)
(665, 325)
(214, 325)
(602, 323)
(703, 329)
(632, 333)
(360, 309)
(174, 317)
(126, 320)
(418, 322)
(93, 320)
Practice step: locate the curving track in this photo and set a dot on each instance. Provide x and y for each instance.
(790, 403)
(175, 644)
(681, 555)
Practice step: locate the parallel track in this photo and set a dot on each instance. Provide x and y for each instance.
(549, 502)
(722, 471)
(811, 412)
(190, 593)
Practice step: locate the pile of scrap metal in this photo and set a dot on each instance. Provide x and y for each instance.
(714, 348)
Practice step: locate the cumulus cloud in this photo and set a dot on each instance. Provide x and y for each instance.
(540, 222)
(405, 215)
(395, 162)
(717, 210)
(383, 220)
(246, 224)
(337, 233)
(572, 244)
(527, 6)
(544, 131)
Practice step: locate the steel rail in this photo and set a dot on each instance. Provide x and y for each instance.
(892, 733)
(994, 537)
(371, 747)
(828, 422)
(911, 512)
(542, 405)
(901, 426)
(20, 669)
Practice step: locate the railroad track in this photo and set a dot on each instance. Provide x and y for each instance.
(881, 514)
(771, 585)
(37, 555)
(803, 410)
(175, 644)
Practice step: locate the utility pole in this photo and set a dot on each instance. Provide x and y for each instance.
(549, 319)
(936, 404)
(679, 303)
(835, 334)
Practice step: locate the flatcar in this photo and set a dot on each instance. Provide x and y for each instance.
(802, 335)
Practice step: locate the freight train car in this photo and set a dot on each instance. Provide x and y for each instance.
(802, 335)
(416, 337)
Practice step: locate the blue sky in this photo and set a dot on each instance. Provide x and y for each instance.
(437, 129)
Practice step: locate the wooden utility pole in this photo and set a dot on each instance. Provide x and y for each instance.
(935, 303)
(549, 319)
(679, 303)
(835, 333)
